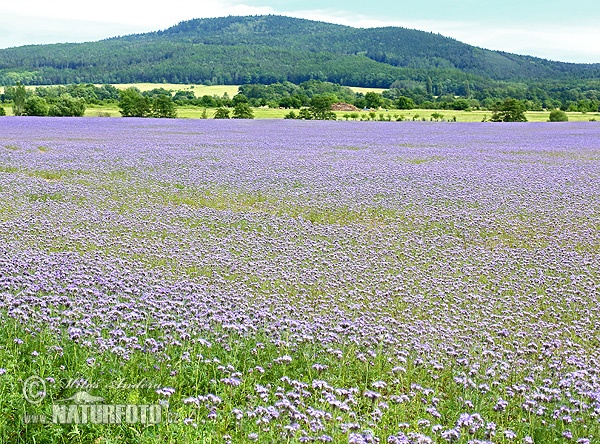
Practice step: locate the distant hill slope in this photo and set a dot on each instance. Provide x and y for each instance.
(267, 49)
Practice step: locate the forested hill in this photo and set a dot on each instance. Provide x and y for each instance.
(269, 49)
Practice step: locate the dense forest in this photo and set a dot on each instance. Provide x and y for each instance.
(275, 50)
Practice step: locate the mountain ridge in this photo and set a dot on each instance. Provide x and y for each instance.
(273, 48)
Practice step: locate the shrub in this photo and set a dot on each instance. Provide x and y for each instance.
(222, 113)
(558, 116)
(67, 106)
(461, 105)
(35, 106)
(305, 114)
(2, 111)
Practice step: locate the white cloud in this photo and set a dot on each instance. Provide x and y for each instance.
(136, 13)
(41, 21)
(563, 43)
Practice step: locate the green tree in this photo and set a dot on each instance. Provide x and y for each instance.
(133, 104)
(403, 102)
(320, 107)
(67, 106)
(156, 92)
(291, 102)
(239, 98)
(163, 106)
(19, 98)
(184, 96)
(226, 100)
(360, 101)
(242, 110)
(221, 113)
(373, 100)
(209, 101)
(460, 104)
(558, 116)
(511, 110)
(107, 92)
(35, 106)
(2, 111)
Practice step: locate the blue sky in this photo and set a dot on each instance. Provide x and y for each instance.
(566, 31)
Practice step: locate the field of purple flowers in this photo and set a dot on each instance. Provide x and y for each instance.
(291, 281)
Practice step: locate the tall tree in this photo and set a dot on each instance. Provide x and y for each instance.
(320, 107)
(133, 104)
(242, 110)
(20, 96)
(373, 100)
(511, 110)
(163, 106)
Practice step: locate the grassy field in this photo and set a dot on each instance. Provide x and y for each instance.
(359, 89)
(193, 112)
(199, 90)
(417, 114)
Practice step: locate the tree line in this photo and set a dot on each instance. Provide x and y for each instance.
(311, 99)
(26, 103)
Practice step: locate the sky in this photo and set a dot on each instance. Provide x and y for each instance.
(551, 29)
